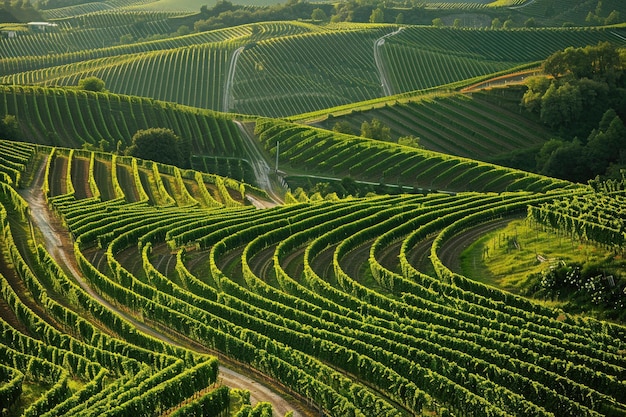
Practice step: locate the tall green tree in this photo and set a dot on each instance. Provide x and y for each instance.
(319, 14)
(375, 130)
(10, 128)
(437, 22)
(91, 84)
(160, 145)
(377, 16)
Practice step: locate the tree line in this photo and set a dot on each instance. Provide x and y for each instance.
(582, 97)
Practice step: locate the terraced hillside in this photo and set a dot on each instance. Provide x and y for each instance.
(333, 299)
(65, 350)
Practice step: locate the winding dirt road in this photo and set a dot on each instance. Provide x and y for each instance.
(380, 66)
(59, 244)
(260, 167)
(227, 99)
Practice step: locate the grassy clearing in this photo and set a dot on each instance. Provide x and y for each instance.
(506, 257)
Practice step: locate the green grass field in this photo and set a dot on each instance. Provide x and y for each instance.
(506, 257)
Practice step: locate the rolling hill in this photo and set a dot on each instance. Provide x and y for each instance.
(130, 287)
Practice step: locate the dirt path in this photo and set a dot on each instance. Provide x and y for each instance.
(508, 79)
(260, 167)
(227, 99)
(60, 246)
(380, 66)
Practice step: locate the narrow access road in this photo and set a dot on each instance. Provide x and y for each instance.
(58, 243)
(508, 79)
(380, 66)
(523, 5)
(228, 97)
(260, 166)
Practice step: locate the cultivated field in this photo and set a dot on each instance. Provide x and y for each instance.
(131, 287)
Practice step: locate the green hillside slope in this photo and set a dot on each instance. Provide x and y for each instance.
(70, 117)
(332, 299)
(310, 151)
(287, 69)
(480, 125)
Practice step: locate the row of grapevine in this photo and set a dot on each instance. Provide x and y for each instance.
(321, 152)
(45, 115)
(153, 183)
(14, 157)
(55, 330)
(597, 216)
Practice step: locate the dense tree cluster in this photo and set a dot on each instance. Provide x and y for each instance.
(225, 13)
(583, 98)
(160, 145)
(91, 84)
(9, 128)
(376, 130)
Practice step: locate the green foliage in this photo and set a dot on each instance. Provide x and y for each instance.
(583, 99)
(377, 16)
(10, 128)
(91, 84)
(160, 145)
(375, 130)
(319, 14)
(343, 126)
(412, 141)
(601, 62)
